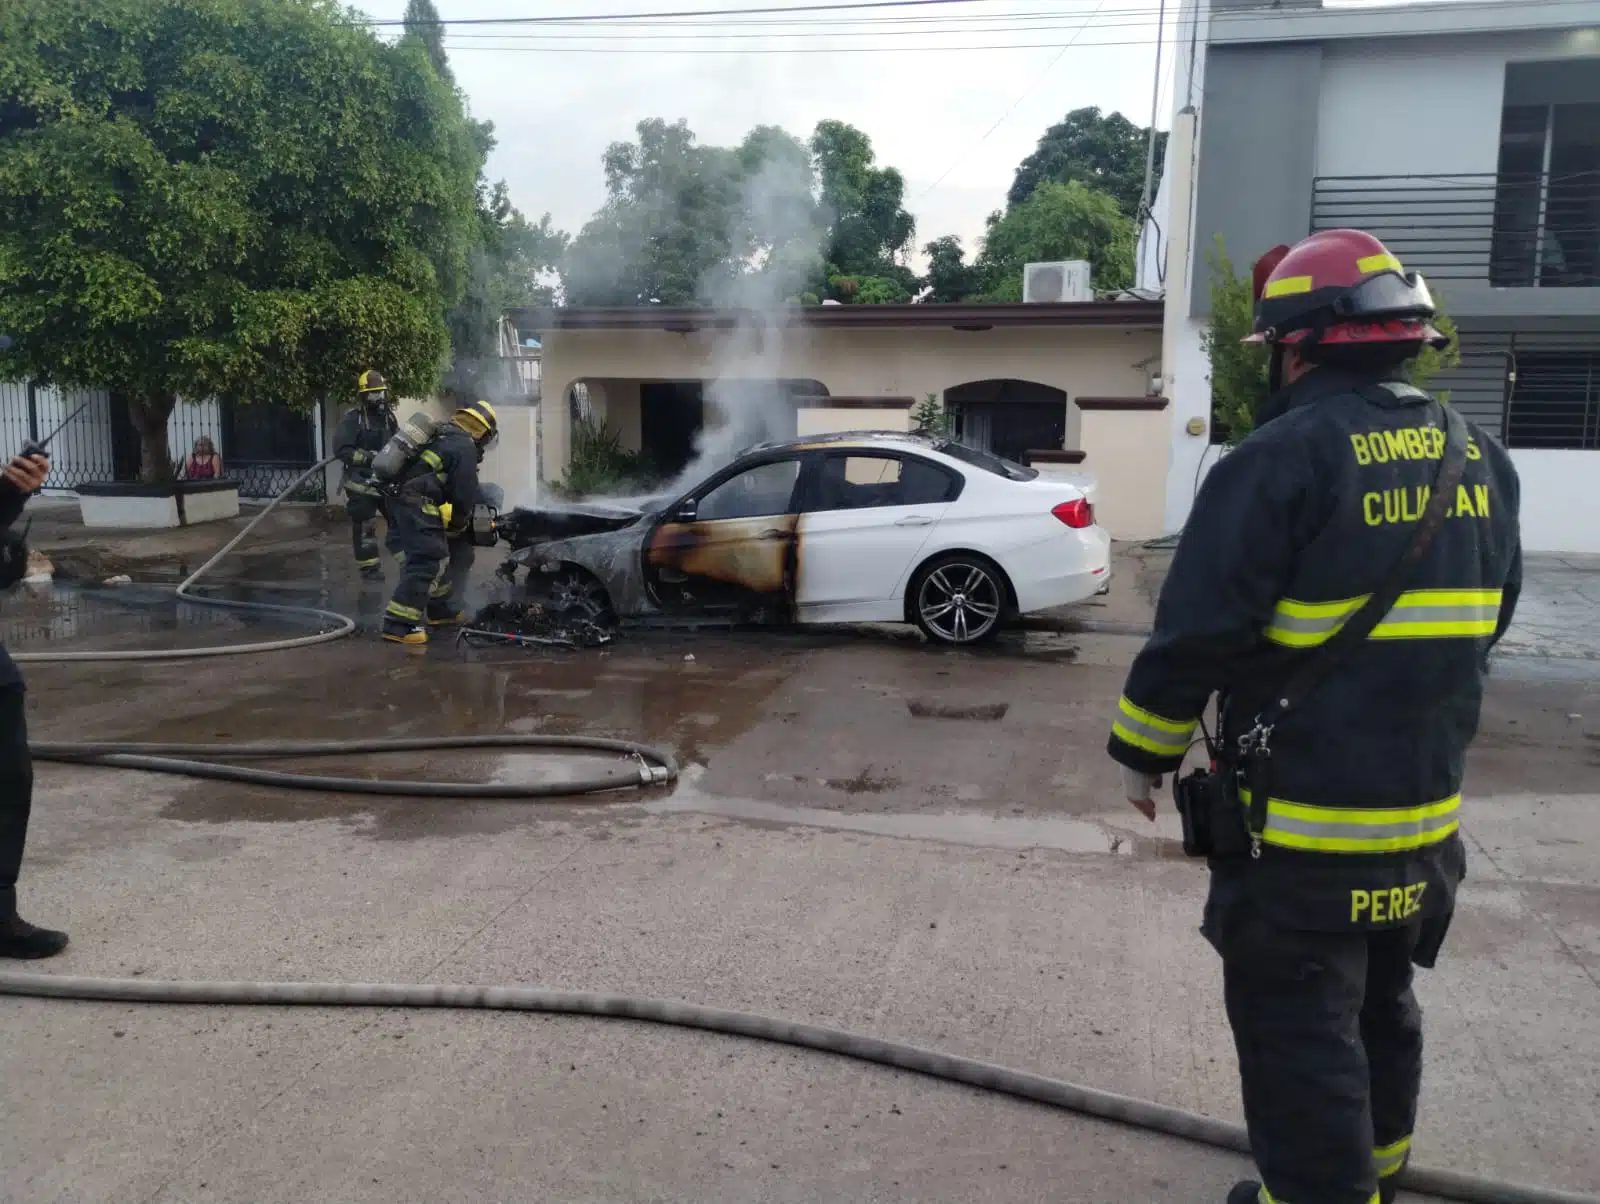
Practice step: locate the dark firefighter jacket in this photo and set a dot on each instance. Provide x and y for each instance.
(1291, 532)
(444, 471)
(361, 435)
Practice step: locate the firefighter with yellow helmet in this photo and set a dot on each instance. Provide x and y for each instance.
(1340, 580)
(439, 479)
(360, 436)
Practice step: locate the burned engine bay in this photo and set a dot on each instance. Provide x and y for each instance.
(567, 607)
(589, 568)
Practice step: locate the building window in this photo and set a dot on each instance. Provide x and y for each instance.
(1555, 401)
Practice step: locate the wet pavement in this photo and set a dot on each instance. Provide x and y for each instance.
(918, 843)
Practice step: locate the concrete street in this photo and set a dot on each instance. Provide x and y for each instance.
(974, 884)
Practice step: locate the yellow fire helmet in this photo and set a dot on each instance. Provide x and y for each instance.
(371, 381)
(480, 421)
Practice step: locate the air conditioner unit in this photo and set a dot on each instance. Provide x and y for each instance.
(1065, 281)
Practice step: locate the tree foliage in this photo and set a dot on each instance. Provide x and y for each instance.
(422, 23)
(869, 228)
(772, 219)
(949, 278)
(929, 417)
(512, 261)
(1057, 221)
(1239, 370)
(215, 198)
(1105, 153)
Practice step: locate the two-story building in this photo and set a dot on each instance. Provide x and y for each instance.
(1467, 137)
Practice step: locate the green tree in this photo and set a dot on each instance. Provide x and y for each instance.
(869, 229)
(422, 23)
(1058, 221)
(512, 266)
(771, 220)
(512, 261)
(949, 277)
(669, 225)
(929, 417)
(1239, 370)
(246, 201)
(1106, 153)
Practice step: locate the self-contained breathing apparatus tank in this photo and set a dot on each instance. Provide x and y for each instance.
(414, 434)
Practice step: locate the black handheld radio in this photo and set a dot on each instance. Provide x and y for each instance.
(39, 447)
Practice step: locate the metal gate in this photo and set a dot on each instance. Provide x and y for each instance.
(80, 452)
(263, 447)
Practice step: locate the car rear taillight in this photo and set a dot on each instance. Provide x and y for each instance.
(1076, 513)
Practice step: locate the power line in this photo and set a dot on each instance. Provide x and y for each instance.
(701, 12)
(719, 17)
(792, 49)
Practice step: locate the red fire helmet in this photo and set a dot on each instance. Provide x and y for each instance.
(1340, 287)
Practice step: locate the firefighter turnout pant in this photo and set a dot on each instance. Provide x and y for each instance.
(418, 531)
(1329, 1036)
(364, 509)
(450, 586)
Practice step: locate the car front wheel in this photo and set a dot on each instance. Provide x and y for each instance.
(958, 599)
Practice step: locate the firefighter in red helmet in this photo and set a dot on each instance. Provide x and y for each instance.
(1340, 580)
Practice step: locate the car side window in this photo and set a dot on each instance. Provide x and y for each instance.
(864, 481)
(759, 492)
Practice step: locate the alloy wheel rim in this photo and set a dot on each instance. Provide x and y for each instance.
(960, 602)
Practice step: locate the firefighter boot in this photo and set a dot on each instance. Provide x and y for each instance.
(397, 631)
(1248, 1192)
(372, 572)
(443, 613)
(20, 939)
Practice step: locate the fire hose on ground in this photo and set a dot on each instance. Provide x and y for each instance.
(641, 766)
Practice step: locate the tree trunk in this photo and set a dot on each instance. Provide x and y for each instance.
(149, 415)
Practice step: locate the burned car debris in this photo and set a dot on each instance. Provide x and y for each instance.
(859, 527)
(531, 624)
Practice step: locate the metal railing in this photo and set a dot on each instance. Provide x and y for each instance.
(1532, 389)
(262, 455)
(81, 451)
(1511, 231)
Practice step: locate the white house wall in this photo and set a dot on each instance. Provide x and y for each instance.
(1558, 508)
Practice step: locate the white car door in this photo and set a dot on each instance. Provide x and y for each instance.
(865, 517)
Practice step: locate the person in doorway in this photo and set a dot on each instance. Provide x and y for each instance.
(18, 939)
(1332, 823)
(360, 436)
(203, 463)
(437, 559)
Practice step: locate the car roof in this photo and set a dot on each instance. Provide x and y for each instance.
(903, 439)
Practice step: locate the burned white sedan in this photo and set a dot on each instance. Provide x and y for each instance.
(862, 527)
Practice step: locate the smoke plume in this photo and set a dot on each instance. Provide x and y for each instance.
(748, 398)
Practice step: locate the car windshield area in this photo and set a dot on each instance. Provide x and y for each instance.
(998, 465)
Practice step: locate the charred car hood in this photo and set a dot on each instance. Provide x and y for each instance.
(523, 527)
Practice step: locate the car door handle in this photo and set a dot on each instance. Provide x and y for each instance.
(774, 533)
(914, 520)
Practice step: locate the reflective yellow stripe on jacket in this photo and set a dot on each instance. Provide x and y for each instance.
(1419, 614)
(1357, 829)
(1151, 732)
(432, 460)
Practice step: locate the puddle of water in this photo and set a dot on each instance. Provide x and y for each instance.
(962, 827)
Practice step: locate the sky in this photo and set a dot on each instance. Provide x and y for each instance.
(953, 116)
